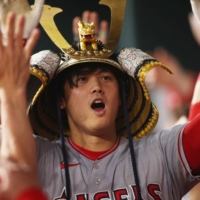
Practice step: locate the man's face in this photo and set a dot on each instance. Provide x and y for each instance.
(92, 106)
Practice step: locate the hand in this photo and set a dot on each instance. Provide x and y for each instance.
(21, 7)
(101, 29)
(195, 4)
(14, 58)
(195, 27)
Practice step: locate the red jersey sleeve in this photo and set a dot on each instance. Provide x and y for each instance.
(32, 194)
(194, 111)
(191, 144)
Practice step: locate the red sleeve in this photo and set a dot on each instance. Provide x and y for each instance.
(194, 111)
(191, 144)
(32, 194)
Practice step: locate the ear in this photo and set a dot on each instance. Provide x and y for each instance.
(62, 103)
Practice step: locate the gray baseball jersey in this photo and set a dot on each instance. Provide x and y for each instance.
(162, 168)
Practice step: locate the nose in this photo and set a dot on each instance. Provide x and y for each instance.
(97, 90)
(96, 86)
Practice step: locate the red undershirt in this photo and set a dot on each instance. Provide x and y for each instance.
(93, 155)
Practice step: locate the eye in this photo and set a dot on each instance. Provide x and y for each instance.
(82, 79)
(106, 78)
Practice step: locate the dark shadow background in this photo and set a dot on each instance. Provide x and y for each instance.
(147, 25)
(63, 20)
(165, 23)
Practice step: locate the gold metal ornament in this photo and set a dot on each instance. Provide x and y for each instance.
(48, 24)
(144, 71)
(117, 13)
(87, 35)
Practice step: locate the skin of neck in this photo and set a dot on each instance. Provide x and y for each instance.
(95, 140)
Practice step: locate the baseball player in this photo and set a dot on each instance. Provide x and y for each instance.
(99, 161)
(98, 99)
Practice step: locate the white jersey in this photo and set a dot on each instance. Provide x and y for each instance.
(162, 168)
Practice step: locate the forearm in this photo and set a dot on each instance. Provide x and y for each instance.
(17, 140)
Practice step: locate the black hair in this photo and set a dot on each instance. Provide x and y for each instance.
(84, 69)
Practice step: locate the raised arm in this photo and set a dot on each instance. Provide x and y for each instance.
(17, 143)
(14, 75)
(191, 135)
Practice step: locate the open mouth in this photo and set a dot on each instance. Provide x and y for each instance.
(88, 36)
(97, 105)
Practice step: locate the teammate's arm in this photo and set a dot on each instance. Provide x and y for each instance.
(14, 74)
(191, 134)
(195, 104)
(17, 142)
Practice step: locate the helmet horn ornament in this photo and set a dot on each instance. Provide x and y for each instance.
(117, 12)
